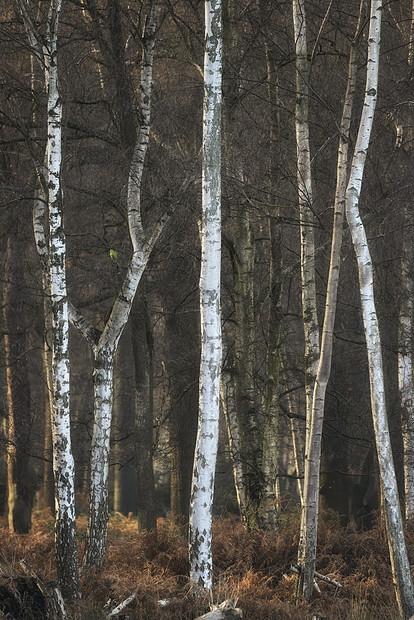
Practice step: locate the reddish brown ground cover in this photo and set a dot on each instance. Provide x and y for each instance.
(251, 568)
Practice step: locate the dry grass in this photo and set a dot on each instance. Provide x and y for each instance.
(250, 567)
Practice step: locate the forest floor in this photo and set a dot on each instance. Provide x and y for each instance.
(251, 568)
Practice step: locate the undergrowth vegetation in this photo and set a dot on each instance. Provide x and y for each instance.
(251, 568)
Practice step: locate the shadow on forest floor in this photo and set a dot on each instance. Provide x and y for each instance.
(251, 568)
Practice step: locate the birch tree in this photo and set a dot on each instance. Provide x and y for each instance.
(390, 500)
(310, 504)
(46, 51)
(104, 344)
(211, 347)
(304, 175)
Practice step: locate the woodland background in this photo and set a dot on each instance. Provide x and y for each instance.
(99, 43)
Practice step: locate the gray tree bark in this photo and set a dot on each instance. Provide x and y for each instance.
(310, 505)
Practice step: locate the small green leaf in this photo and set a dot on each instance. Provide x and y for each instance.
(113, 254)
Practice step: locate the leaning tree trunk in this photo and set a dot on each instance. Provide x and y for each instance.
(310, 504)
(390, 499)
(211, 345)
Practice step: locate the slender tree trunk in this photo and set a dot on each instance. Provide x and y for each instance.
(45, 50)
(294, 406)
(63, 465)
(274, 328)
(310, 507)
(20, 479)
(105, 344)
(125, 500)
(143, 346)
(405, 326)
(46, 497)
(259, 487)
(405, 368)
(46, 494)
(182, 336)
(98, 495)
(390, 500)
(307, 220)
(298, 453)
(211, 345)
(251, 434)
(229, 409)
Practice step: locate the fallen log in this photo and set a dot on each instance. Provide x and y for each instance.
(224, 611)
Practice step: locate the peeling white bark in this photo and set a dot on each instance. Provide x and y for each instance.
(54, 256)
(211, 346)
(391, 504)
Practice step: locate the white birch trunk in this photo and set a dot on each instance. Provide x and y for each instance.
(310, 506)
(405, 366)
(63, 464)
(98, 494)
(309, 311)
(391, 505)
(106, 344)
(211, 346)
